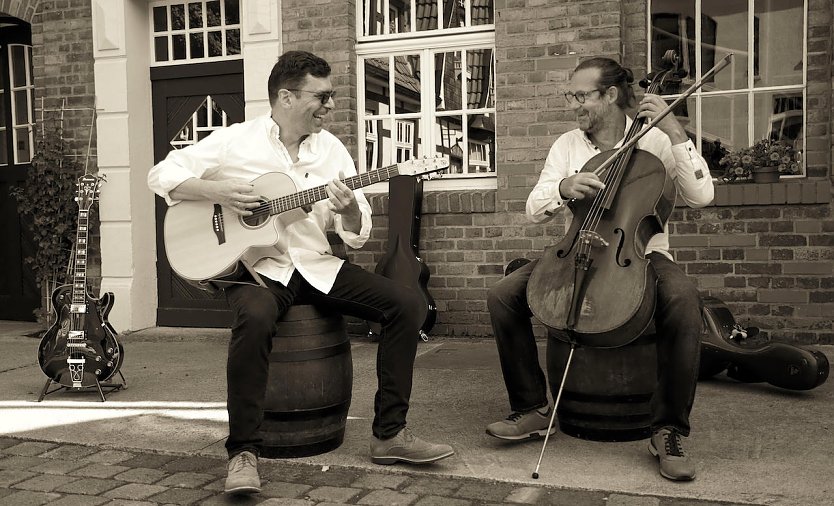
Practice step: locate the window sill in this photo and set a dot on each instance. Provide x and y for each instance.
(762, 194)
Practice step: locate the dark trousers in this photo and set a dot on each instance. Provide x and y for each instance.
(356, 292)
(678, 323)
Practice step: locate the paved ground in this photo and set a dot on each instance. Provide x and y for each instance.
(160, 441)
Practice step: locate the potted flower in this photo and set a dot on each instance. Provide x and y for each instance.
(764, 161)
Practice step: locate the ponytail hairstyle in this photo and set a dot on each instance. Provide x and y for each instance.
(612, 73)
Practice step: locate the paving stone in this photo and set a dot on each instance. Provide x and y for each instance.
(44, 482)
(79, 500)
(149, 460)
(99, 470)
(526, 495)
(333, 494)
(57, 467)
(193, 464)
(186, 480)
(377, 481)
(21, 462)
(125, 502)
(180, 496)
(134, 491)
(310, 475)
(290, 502)
(29, 448)
(388, 497)
(28, 498)
(69, 452)
(89, 486)
(632, 500)
(433, 486)
(435, 500)
(283, 489)
(6, 442)
(142, 475)
(12, 476)
(560, 497)
(108, 457)
(484, 491)
(218, 485)
(225, 500)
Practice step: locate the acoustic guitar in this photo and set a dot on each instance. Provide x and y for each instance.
(205, 241)
(80, 349)
(402, 262)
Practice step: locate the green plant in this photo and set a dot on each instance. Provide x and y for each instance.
(765, 153)
(46, 201)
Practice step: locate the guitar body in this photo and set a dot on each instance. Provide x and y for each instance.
(780, 364)
(401, 262)
(205, 240)
(100, 350)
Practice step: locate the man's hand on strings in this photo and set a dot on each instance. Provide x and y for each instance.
(235, 194)
(342, 201)
(650, 107)
(580, 185)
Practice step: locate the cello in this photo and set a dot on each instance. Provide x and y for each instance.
(570, 289)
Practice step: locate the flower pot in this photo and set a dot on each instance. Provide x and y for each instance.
(766, 174)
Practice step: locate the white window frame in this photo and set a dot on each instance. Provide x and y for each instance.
(479, 37)
(223, 28)
(194, 124)
(28, 88)
(385, 7)
(751, 90)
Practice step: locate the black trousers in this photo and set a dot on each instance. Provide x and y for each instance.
(356, 292)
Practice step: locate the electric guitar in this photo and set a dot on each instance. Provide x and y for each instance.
(205, 241)
(80, 349)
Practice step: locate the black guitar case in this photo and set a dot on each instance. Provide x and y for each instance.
(724, 346)
(401, 262)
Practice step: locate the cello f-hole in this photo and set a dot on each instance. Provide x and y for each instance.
(622, 262)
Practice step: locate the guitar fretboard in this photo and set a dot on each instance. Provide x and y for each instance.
(307, 197)
(79, 278)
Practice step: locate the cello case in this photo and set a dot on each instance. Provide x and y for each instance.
(401, 262)
(723, 346)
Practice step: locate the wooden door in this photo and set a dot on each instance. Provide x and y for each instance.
(19, 295)
(188, 102)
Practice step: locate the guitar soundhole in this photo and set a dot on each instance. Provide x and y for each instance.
(259, 215)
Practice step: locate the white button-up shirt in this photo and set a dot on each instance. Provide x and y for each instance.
(685, 166)
(252, 148)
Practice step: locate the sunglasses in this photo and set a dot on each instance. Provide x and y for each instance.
(323, 96)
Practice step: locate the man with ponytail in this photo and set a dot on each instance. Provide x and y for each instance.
(601, 96)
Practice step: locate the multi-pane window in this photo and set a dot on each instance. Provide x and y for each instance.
(195, 31)
(207, 118)
(761, 94)
(432, 95)
(17, 107)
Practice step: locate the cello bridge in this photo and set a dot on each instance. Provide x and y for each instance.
(592, 238)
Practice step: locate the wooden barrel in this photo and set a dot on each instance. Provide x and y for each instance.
(608, 391)
(310, 384)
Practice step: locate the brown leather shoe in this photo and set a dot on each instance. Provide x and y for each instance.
(406, 447)
(666, 445)
(243, 474)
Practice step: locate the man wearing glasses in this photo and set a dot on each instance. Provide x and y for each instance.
(600, 94)
(291, 140)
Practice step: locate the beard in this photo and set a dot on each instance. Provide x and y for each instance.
(595, 119)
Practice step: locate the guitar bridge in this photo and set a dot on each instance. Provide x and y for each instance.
(217, 224)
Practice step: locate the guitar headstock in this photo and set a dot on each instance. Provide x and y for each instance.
(423, 166)
(88, 190)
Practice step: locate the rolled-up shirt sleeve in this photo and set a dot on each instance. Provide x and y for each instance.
(693, 179)
(199, 160)
(545, 200)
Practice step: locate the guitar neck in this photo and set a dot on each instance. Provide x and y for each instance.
(79, 278)
(307, 197)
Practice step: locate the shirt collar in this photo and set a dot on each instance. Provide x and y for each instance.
(273, 131)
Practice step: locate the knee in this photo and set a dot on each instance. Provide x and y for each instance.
(499, 296)
(258, 316)
(409, 305)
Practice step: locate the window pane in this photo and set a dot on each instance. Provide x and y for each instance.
(161, 48)
(160, 19)
(482, 12)
(378, 147)
(24, 148)
(426, 15)
(780, 28)
(202, 114)
(725, 120)
(448, 70)
(673, 29)
(179, 46)
(18, 65)
(407, 79)
(4, 149)
(479, 86)
(454, 14)
(2, 110)
(399, 17)
(724, 30)
(213, 13)
(408, 142)
(481, 143)
(449, 138)
(195, 15)
(198, 49)
(376, 85)
(778, 116)
(215, 43)
(21, 107)
(232, 12)
(178, 17)
(232, 42)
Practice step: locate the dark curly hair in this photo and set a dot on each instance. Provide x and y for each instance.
(291, 69)
(612, 73)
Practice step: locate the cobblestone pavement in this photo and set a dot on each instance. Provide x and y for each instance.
(38, 472)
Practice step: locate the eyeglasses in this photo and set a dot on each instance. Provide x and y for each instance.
(580, 96)
(323, 96)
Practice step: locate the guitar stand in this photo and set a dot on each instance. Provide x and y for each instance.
(101, 388)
